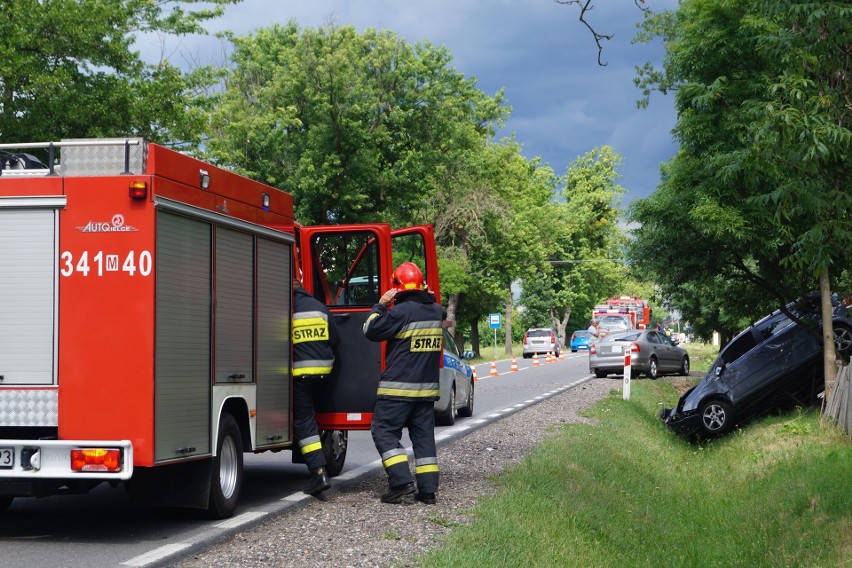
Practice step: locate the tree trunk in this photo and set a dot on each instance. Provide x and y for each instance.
(507, 337)
(452, 309)
(829, 355)
(560, 326)
(474, 337)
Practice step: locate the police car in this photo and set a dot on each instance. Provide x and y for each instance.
(456, 386)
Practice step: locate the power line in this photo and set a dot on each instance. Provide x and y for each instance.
(584, 260)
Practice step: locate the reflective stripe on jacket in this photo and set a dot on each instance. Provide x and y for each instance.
(314, 335)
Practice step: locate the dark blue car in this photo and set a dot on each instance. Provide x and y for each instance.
(773, 363)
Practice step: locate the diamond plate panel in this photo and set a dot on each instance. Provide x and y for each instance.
(29, 407)
(102, 160)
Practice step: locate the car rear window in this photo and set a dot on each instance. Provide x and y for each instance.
(538, 333)
(612, 338)
(581, 334)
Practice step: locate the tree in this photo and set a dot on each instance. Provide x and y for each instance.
(77, 54)
(352, 125)
(763, 99)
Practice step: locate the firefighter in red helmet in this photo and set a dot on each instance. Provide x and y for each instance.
(408, 387)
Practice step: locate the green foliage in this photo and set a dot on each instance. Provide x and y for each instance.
(759, 187)
(77, 55)
(627, 492)
(583, 244)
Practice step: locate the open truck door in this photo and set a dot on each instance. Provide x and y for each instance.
(349, 267)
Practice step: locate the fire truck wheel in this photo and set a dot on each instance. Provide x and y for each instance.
(227, 475)
(334, 444)
(5, 501)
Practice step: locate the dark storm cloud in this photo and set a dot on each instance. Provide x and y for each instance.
(563, 103)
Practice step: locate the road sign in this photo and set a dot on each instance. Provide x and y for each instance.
(494, 321)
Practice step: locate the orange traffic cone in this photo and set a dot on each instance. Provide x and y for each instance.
(561, 356)
(514, 366)
(549, 358)
(493, 368)
(535, 360)
(473, 368)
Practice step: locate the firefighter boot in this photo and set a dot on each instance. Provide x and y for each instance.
(318, 483)
(425, 498)
(395, 493)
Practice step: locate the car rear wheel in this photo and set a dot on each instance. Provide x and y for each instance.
(684, 366)
(716, 417)
(467, 409)
(448, 416)
(653, 370)
(843, 340)
(599, 373)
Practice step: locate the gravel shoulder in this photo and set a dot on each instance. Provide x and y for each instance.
(353, 528)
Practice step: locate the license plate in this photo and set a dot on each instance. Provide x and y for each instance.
(7, 458)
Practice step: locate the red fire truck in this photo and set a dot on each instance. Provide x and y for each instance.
(635, 305)
(145, 321)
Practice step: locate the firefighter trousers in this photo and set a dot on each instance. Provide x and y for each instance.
(389, 418)
(305, 421)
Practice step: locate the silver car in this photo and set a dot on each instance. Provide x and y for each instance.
(651, 353)
(540, 341)
(456, 385)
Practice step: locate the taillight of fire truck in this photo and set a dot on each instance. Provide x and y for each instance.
(96, 459)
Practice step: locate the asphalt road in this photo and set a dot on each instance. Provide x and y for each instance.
(105, 529)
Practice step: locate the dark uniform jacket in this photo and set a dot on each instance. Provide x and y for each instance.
(314, 336)
(414, 336)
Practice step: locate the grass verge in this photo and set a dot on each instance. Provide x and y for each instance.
(626, 492)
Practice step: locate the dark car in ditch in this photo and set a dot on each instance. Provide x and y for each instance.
(774, 363)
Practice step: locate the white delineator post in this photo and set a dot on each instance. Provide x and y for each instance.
(625, 392)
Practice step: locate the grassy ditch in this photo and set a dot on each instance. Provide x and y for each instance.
(626, 492)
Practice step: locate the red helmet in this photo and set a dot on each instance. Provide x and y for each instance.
(408, 277)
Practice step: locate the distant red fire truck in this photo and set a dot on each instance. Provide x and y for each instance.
(634, 305)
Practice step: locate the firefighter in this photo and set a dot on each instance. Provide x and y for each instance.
(314, 341)
(408, 387)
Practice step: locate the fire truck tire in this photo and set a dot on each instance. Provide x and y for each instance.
(334, 445)
(5, 502)
(227, 475)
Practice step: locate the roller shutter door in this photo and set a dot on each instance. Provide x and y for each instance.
(27, 296)
(234, 307)
(273, 342)
(182, 359)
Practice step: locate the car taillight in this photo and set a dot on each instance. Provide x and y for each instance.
(552, 337)
(572, 337)
(592, 349)
(525, 338)
(634, 347)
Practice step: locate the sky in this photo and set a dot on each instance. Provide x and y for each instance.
(563, 103)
